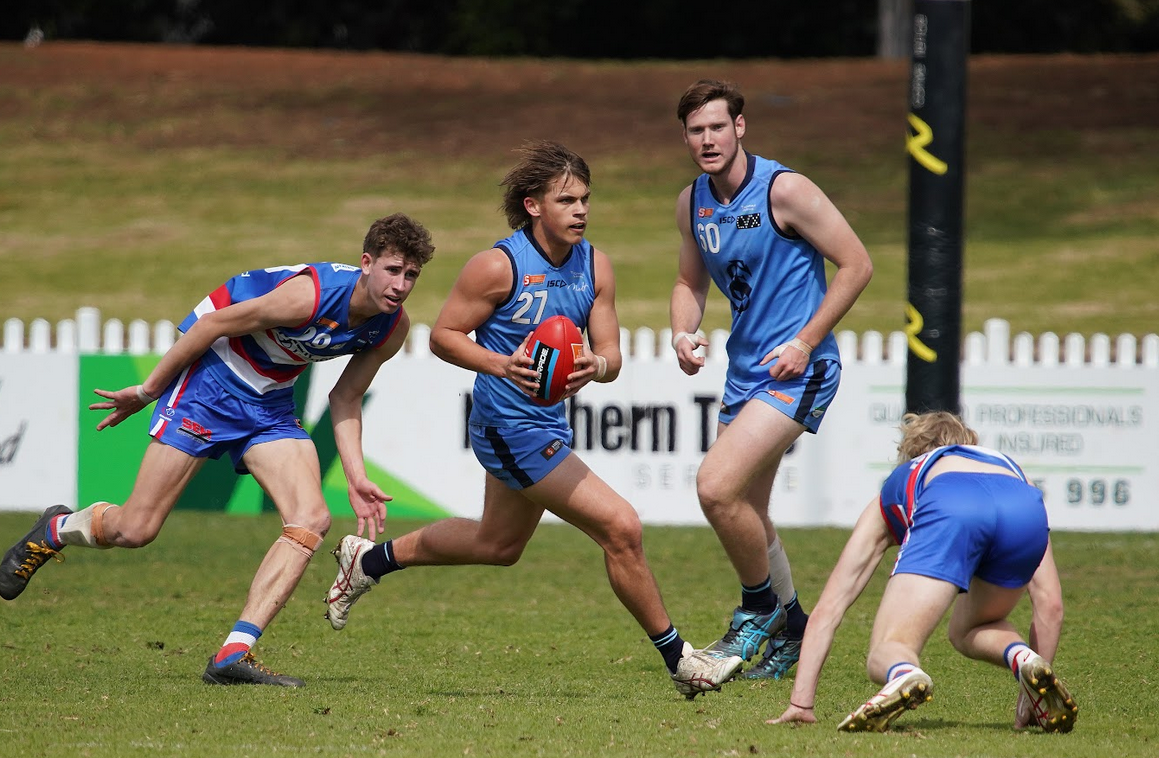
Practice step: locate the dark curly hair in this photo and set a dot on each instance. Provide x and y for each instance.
(399, 233)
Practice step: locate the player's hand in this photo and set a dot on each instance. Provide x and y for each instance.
(368, 502)
(794, 714)
(791, 362)
(685, 344)
(123, 403)
(518, 369)
(586, 368)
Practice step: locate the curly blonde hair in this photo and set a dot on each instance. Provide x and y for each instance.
(922, 432)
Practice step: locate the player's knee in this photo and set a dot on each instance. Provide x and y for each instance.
(131, 533)
(713, 493)
(624, 535)
(957, 638)
(506, 554)
(301, 539)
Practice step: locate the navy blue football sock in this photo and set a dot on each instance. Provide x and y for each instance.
(797, 618)
(379, 560)
(670, 645)
(759, 598)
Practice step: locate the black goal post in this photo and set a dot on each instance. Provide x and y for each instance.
(935, 145)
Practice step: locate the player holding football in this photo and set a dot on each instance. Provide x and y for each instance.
(226, 386)
(762, 233)
(546, 268)
(967, 521)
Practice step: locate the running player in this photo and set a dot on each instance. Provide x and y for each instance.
(762, 233)
(545, 268)
(967, 521)
(226, 386)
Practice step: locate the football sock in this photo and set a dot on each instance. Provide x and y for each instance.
(759, 598)
(1015, 654)
(898, 669)
(779, 569)
(379, 560)
(52, 534)
(237, 644)
(797, 618)
(670, 645)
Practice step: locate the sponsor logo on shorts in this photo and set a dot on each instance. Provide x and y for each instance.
(298, 421)
(195, 430)
(818, 411)
(530, 279)
(169, 411)
(552, 449)
(782, 397)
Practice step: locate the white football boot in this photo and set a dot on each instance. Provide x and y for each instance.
(904, 693)
(1051, 704)
(704, 670)
(351, 582)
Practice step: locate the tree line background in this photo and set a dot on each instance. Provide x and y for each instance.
(673, 29)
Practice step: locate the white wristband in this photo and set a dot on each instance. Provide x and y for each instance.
(685, 335)
(144, 396)
(601, 367)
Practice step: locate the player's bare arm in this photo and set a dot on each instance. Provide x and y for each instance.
(482, 284)
(291, 304)
(602, 359)
(859, 559)
(798, 205)
(689, 293)
(367, 500)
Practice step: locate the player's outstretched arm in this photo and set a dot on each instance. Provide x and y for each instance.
(288, 305)
(367, 499)
(858, 560)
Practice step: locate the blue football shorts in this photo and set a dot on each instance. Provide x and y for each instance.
(990, 526)
(519, 456)
(197, 416)
(804, 399)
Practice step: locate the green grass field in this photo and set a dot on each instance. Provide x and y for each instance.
(138, 178)
(102, 656)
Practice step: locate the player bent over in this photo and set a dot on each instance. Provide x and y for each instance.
(546, 268)
(226, 386)
(971, 530)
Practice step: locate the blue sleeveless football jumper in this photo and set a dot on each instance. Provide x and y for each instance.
(774, 283)
(539, 290)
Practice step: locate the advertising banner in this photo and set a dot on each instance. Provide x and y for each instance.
(37, 430)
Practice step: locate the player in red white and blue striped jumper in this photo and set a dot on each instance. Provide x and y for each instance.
(972, 535)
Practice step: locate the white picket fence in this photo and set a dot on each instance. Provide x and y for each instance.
(992, 346)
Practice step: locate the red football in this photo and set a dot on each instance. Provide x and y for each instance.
(554, 347)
